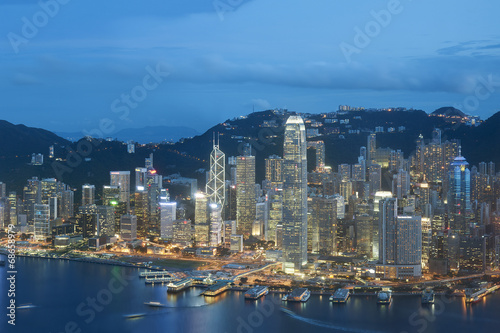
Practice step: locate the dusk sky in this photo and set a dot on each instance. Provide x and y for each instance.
(220, 59)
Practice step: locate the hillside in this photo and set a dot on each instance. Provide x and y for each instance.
(262, 129)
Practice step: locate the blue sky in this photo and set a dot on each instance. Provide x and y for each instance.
(220, 59)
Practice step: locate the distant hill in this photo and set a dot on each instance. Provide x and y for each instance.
(448, 111)
(149, 134)
(22, 140)
(263, 130)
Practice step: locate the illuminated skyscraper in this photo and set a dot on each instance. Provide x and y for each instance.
(459, 205)
(167, 218)
(88, 195)
(128, 227)
(42, 221)
(122, 180)
(245, 194)
(294, 195)
(215, 224)
(201, 220)
(216, 185)
(371, 148)
(274, 171)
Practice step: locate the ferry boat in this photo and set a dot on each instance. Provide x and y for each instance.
(299, 295)
(340, 296)
(154, 304)
(384, 296)
(256, 292)
(285, 297)
(428, 296)
(134, 315)
(26, 306)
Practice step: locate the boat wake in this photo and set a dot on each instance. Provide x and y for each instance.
(325, 324)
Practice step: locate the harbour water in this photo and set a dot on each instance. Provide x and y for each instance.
(71, 296)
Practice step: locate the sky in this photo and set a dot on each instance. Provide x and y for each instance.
(74, 65)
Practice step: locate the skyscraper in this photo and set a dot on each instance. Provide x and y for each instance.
(371, 148)
(41, 221)
(122, 180)
(88, 194)
(245, 194)
(216, 185)
(400, 242)
(294, 195)
(459, 206)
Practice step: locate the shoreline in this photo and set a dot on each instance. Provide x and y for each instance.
(111, 262)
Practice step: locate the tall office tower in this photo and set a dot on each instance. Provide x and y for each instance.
(67, 204)
(141, 210)
(371, 148)
(50, 189)
(4, 212)
(433, 162)
(275, 198)
(140, 178)
(128, 227)
(41, 221)
(396, 160)
(88, 195)
(106, 220)
(436, 136)
(346, 189)
(110, 195)
(215, 224)
(32, 194)
(344, 172)
(274, 171)
(201, 220)
(359, 171)
(230, 206)
(483, 168)
(153, 225)
(375, 178)
(15, 206)
(401, 184)
(88, 221)
(245, 194)
(168, 214)
(478, 184)
(261, 223)
(362, 152)
(183, 233)
(216, 185)
(319, 147)
(294, 195)
(149, 162)
(400, 242)
(122, 180)
(363, 224)
(3, 190)
(323, 222)
(459, 205)
(491, 169)
(418, 160)
(426, 241)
